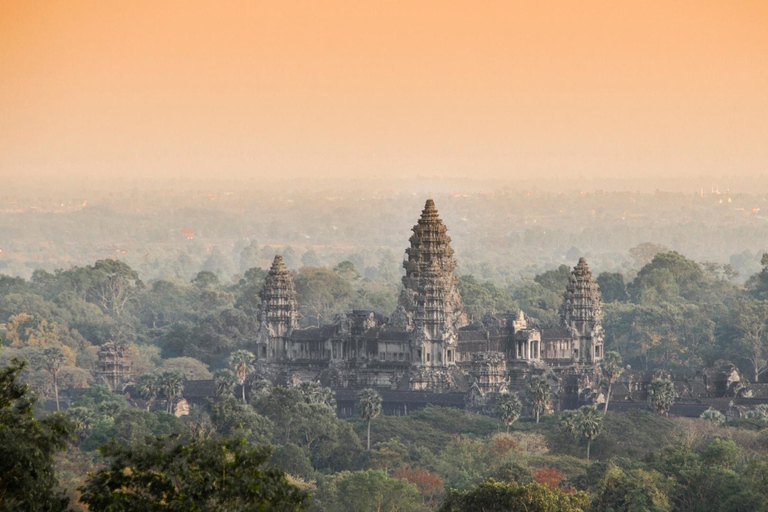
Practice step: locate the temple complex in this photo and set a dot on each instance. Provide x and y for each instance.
(427, 343)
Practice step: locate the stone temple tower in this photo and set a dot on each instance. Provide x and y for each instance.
(582, 313)
(279, 312)
(430, 295)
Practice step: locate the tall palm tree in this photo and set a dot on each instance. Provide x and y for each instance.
(611, 367)
(241, 362)
(661, 395)
(224, 382)
(54, 358)
(538, 394)
(508, 408)
(369, 405)
(588, 422)
(171, 384)
(148, 386)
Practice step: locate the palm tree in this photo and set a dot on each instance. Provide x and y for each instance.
(148, 385)
(588, 422)
(568, 422)
(713, 416)
(54, 358)
(83, 419)
(241, 362)
(538, 394)
(171, 384)
(661, 395)
(369, 405)
(224, 382)
(508, 408)
(612, 369)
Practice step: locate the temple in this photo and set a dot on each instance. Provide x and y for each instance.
(427, 343)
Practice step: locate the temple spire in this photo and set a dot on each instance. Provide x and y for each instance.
(279, 310)
(430, 293)
(582, 312)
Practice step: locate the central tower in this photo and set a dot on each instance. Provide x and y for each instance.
(430, 296)
(582, 313)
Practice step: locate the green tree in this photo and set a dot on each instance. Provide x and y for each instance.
(493, 496)
(315, 393)
(27, 447)
(555, 280)
(54, 358)
(661, 395)
(713, 416)
(224, 382)
(538, 394)
(171, 383)
(166, 475)
(241, 362)
(369, 406)
(749, 324)
(374, 491)
(322, 293)
(588, 423)
(113, 284)
(611, 367)
(148, 385)
(205, 279)
(635, 490)
(612, 287)
(508, 408)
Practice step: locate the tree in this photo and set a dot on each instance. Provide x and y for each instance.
(369, 405)
(661, 395)
(322, 293)
(241, 362)
(167, 475)
(224, 382)
(315, 393)
(588, 422)
(347, 270)
(713, 416)
(611, 367)
(612, 287)
(508, 408)
(205, 279)
(171, 384)
(191, 368)
(148, 386)
(373, 491)
(54, 358)
(555, 280)
(113, 284)
(493, 496)
(749, 321)
(538, 394)
(27, 447)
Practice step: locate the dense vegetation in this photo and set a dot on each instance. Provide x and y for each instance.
(670, 313)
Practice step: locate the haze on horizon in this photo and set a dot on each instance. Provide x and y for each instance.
(274, 90)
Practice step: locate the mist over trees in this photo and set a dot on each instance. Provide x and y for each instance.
(184, 306)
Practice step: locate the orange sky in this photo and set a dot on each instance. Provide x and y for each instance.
(486, 89)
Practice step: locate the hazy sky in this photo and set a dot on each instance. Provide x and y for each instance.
(356, 88)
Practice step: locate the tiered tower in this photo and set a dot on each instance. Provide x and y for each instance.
(582, 313)
(430, 293)
(279, 313)
(114, 367)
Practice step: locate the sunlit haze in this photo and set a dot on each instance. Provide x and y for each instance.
(272, 90)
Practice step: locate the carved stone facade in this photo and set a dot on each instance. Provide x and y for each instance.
(427, 343)
(113, 367)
